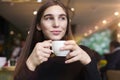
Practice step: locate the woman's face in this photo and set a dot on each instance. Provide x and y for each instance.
(54, 23)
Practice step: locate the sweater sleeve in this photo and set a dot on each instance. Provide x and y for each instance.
(26, 74)
(90, 70)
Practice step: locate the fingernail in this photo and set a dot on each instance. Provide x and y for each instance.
(66, 62)
(52, 51)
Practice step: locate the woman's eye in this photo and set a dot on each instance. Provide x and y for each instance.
(49, 18)
(62, 18)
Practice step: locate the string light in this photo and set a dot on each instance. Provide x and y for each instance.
(90, 31)
(28, 32)
(118, 35)
(104, 22)
(39, 0)
(116, 13)
(11, 32)
(85, 34)
(119, 24)
(96, 27)
(35, 12)
(72, 9)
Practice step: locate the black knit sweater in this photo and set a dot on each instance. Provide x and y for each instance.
(56, 69)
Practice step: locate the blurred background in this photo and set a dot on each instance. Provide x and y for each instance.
(94, 23)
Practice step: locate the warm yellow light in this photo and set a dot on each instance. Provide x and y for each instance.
(39, 0)
(116, 13)
(104, 22)
(96, 27)
(11, 32)
(35, 12)
(85, 34)
(28, 32)
(72, 9)
(90, 31)
(118, 35)
(119, 24)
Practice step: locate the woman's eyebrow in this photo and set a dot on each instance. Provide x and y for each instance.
(47, 15)
(52, 15)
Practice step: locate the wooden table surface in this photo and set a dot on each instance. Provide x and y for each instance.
(6, 73)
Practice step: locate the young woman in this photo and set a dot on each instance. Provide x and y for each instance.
(37, 62)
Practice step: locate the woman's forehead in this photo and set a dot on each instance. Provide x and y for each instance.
(56, 9)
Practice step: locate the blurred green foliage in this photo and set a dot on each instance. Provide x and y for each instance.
(98, 41)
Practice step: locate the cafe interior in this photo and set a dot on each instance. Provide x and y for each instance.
(95, 23)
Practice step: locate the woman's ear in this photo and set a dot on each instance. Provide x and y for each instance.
(38, 28)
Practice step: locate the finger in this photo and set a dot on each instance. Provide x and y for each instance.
(46, 50)
(72, 60)
(70, 42)
(47, 44)
(68, 47)
(44, 55)
(48, 41)
(71, 54)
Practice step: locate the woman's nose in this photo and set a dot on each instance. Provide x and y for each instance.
(56, 23)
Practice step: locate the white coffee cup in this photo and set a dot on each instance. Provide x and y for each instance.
(56, 45)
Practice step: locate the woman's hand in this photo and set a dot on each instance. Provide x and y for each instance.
(76, 54)
(40, 54)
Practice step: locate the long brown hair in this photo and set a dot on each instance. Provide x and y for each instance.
(35, 36)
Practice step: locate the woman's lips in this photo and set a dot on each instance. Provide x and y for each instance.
(55, 32)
